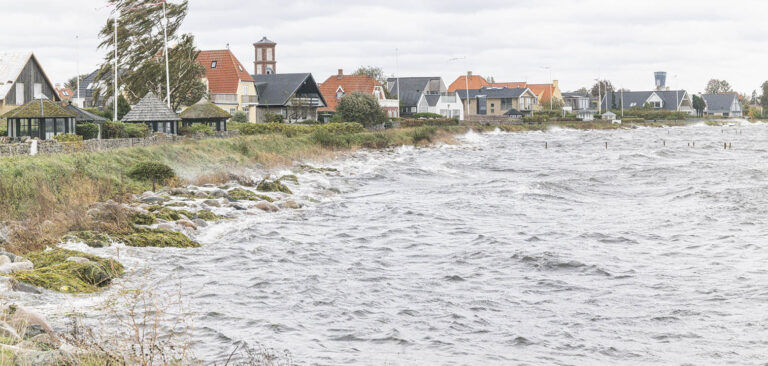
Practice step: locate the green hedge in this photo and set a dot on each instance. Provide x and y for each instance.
(295, 129)
(195, 129)
(653, 114)
(68, 137)
(120, 130)
(428, 115)
(88, 131)
(429, 122)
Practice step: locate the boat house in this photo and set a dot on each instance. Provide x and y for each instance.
(39, 118)
(154, 113)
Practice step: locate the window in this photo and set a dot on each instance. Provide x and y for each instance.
(269, 54)
(38, 90)
(259, 54)
(213, 64)
(239, 67)
(232, 111)
(270, 71)
(49, 128)
(506, 104)
(19, 93)
(340, 93)
(61, 126)
(245, 89)
(23, 128)
(34, 127)
(65, 93)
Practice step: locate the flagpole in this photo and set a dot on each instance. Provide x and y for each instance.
(167, 72)
(114, 72)
(77, 67)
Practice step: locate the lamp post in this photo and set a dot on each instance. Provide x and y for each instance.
(466, 79)
(599, 98)
(551, 87)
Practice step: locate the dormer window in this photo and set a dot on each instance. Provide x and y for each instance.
(340, 93)
(213, 64)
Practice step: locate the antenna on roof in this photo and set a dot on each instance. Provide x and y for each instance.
(227, 45)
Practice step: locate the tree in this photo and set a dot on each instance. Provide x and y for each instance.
(122, 109)
(754, 99)
(374, 72)
(715, 86)
(581, 90)
(490, 79)
(603, 85)
(698, 105)
(141, 54)
(362, 108)
(153, 172)
(72, 82)
(764, 97)
(239, 116)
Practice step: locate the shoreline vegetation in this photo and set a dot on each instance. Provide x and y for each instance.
(93, 198)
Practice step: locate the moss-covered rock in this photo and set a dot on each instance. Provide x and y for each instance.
(90, 238)
(141, 218)
(54, 272)
(158, 238)
(206, 215)
(273, 186)
(246, 195)
(290, 178)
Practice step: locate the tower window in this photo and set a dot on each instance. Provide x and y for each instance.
(213, 64)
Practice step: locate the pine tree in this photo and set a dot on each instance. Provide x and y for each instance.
(141, 53)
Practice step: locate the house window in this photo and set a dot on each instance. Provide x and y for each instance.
(269, 54)
(232, 111)
(213, 64)
(239, 67)
(66, 93)
(506, 104)
(34, 128)
(245, 90)
(259, 54)
(340, 93)
(38, 90)
(19, 93)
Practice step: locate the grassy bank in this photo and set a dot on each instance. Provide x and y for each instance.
(49, 194)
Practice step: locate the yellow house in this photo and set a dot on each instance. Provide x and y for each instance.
(231, 87)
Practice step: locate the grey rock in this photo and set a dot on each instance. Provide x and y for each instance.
(209, 186)
(179, 191)
(218, 193)
(44, 358)
(16, 266)
(22, 319)
(167, 226)
(4, 259)
(19, 286)
(201, 194)
(292, 204)
(200, 222)
(153, 199)
(212, 203)
(187, 224)
(238, 207)
(266, 206)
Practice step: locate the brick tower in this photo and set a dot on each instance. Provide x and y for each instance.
(265, 57)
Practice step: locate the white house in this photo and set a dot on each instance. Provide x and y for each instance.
(446, 104)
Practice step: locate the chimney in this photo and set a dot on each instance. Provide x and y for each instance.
(554, 84)
(469, 73)
(341, 74)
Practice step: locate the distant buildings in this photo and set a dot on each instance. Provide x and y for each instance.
(544, 92)
(409, 91)
(340, 85)
(668, 100)
(499, 101)
(722, 105)
(230, 86)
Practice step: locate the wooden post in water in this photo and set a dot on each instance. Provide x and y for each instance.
(606, 145)
(730, 145)
(725, 145)
(546, 145)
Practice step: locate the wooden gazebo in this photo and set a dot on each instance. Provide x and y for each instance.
(154, 113)
(206, 113)
(39, 118)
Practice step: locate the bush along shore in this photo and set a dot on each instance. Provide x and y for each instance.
(108, 198)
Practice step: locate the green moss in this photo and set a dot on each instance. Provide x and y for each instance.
(290, 177)
(274, 186)
(54, 272)
(177, 204)
(165, 213)
(158, 238)
(207, 215)
(246, 195)
(90, 238)
(143, 219)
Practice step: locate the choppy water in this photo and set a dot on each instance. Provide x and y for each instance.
(498, 251)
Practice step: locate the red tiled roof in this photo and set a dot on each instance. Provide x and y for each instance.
(228, 73)
(475, 82)
(65, 93)
(542, 91)
(348, 83)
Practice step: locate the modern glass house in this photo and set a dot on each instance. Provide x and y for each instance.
(39, 118)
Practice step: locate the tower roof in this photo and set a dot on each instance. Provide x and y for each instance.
(265, 40)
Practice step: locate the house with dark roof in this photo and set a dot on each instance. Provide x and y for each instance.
(22, 79)
(338, 86)
(544, 92)
(497, 101)
(296, 97)
(668, 100)
(87, 96)
(409, 90)
(39, 118)
(230, 85)
(151, 111)
(723, 105)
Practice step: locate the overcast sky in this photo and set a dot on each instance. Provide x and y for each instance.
(511, 40)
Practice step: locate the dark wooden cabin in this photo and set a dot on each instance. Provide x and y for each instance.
(205, 112)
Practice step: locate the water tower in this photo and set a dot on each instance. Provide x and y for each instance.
(661, 80)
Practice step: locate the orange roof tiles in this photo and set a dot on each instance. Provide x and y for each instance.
(349, 84)
(65, 93)
(227, 74)
(475, 82)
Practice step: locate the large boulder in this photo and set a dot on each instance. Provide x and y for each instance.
(266, 206)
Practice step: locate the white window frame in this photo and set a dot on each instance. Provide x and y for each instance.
(270, 54)
(19, 93)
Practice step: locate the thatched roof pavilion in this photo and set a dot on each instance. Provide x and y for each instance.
(40, 118)
(207, 113)
(154, 113)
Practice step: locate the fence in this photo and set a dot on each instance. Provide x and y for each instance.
(55, 147)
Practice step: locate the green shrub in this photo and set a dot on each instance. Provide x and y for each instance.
(195, 129)
(273, 118)
(239, 116)
(330, 140)
(136, 130)
(440, 122)
(88, 131)
(113, 130)
(68, 137)
(3, 128)
(422, 134)
(427, 115)
(153, 172)
(310, 122)
(362, 108)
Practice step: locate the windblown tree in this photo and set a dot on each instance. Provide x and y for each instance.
(374, 72)
(141, 53)
(361, 108)
(715, 86)
(699, 105)
(602, 86)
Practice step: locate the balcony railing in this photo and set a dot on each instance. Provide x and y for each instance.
(224, 98)
(250, 99)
